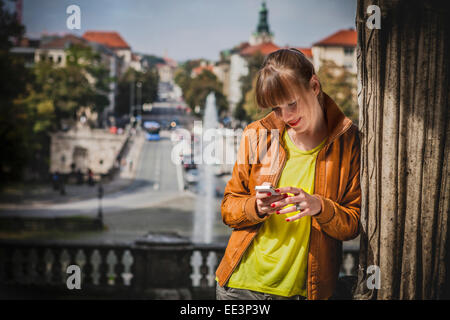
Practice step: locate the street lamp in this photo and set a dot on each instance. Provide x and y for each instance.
(139, 98)
(100, 196)
(62, 189)
(131, 99)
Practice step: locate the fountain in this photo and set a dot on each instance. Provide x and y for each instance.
(205, 208)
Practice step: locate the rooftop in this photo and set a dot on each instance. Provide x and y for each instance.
(347, 37)
(264, 48)
(61, 42)
(111, 39)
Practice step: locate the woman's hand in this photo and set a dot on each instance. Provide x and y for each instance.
(264, 201)
(309, 205)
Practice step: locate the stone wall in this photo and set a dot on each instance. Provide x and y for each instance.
(96, 149)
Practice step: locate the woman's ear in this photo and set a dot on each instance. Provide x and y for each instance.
(314, 84)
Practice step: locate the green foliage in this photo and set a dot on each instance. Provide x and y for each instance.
(195, 90)
(149, 80)
(340, 85)
(247, 109)
(34, 102)
(13, 118)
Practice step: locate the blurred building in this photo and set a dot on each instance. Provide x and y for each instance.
(233, 62)
(84, 148)
(26, 49)
(113, 41)
(168, 90)
(166, 69)
(340, 47)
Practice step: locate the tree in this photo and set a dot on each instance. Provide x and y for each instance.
(82, 83)
(197, 89)
(149, 80)
(13, 118)
(403, 70)
(340, 85)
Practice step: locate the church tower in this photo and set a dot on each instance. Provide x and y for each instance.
(262, 33)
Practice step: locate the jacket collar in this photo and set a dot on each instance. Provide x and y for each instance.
(337, 122)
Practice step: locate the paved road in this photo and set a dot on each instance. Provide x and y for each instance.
(155, 182)
(155, 201)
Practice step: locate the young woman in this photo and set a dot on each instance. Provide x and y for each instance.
(289, 246)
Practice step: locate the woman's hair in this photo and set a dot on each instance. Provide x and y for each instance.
(283, 75)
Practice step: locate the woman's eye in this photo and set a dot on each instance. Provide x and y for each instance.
(292, 103)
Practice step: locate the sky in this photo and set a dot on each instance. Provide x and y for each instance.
(190, 29)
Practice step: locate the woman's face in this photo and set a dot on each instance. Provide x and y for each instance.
(302, 111)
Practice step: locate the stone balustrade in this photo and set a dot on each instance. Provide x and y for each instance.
(141, 270)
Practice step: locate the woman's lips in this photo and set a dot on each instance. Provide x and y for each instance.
(293, 124)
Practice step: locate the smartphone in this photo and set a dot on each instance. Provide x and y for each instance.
(267, 189)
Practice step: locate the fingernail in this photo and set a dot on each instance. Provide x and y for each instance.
(277, 190)
(288, 220)
(278, 212)
(273, 205)
(269, 194)
(285, 195)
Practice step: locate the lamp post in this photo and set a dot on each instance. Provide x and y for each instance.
(100, 196)
(139, 98)
(131, 99)
(62, 189)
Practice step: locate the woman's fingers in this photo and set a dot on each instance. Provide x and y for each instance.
(303, 205)
(292, 190)
(264, 208)
(298, 216)
(288, 200)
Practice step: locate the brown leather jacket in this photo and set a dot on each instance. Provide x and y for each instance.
(337, 185)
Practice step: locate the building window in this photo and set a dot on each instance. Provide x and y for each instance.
(348, 51)
(50, 58)
(348, 66)
(59, 59)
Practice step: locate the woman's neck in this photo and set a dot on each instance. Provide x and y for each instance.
(310, 139)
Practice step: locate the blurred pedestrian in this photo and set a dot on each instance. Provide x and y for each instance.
(90, 177)
(55, 180)
(79, 175)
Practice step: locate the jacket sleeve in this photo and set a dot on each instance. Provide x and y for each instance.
(238, 206)
(341, 220)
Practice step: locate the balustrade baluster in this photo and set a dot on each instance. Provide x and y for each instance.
(17, 266)
(103, 267)
(32, 259)
(128, 273)
(56, 269)
(88, 267)
(7, 264)
(204, 269)
(41, 277)
(119, 267)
